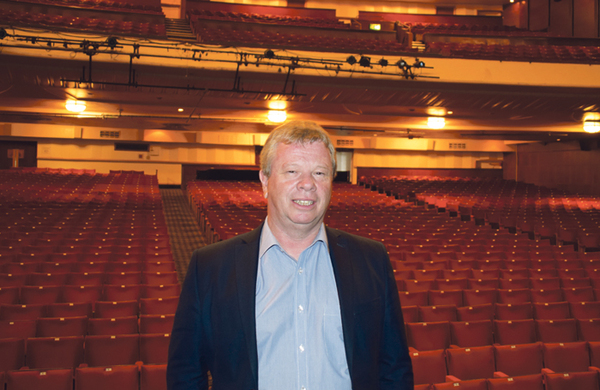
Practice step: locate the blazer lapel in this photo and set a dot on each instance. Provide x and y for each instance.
(246, 265)
(341, 259)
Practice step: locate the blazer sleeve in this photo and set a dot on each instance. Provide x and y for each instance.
(395, 363)
(185, 368)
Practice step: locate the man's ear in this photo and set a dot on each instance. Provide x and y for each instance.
(264, 180)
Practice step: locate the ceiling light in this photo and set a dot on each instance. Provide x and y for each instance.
(180, 109)
(591, 122)
(277, 104)
(277, 116)
(75, 106)
(436, 122)
(591, 126)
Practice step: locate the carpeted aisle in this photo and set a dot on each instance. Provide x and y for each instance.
(184, 234)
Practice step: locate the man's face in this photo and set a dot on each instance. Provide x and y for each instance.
(299, 188)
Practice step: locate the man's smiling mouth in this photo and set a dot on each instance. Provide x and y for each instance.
(304, 202)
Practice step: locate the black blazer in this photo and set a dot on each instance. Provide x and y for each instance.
(215, 330)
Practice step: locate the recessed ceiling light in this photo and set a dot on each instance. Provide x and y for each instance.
(436, 122)
(277, 116)
(180, 109)
(75, 106)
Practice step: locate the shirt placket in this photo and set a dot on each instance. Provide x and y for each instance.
(301, 324)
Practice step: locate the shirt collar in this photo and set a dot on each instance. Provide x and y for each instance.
(267, 239)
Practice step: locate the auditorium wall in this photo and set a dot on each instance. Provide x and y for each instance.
(573, 166)
(162, 159)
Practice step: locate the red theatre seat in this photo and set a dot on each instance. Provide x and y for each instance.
(471, 363)
(111, 350)
(514, 332)
(54, 352)
(525, 382)
(427, 336)
(102, 378)
(519, 359)
(566, 357)
(153, 377)
(429, 366)
(472, 333)
(571, 381)
(59, 379)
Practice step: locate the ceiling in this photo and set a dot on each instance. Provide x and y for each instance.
(33, 90)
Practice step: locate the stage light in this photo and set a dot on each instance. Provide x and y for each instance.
(351, 60)
(418, 64)
(402, 64)
(383, 62)
(3, 33)
(75, 106)
(365, 61)
(269, 54)
(112, 42)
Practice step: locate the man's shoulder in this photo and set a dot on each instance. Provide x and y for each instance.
(344, 237)
(230, 244)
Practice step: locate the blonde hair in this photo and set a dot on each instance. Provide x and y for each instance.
(294, 132)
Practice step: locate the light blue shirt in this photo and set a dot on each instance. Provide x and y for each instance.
(298, 321)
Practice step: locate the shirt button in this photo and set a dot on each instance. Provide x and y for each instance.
(300, 270)
(303, 388)
(301, 347)
(300, 308)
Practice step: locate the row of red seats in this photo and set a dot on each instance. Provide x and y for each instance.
(432, 312)
(426, 336)
(530, 53)
(131, 276)
(121, 6)
(76, 263)
(76, 351)
(43, 295)
(106, 26)
(227, 36)
(84, 326)
(422, 295)
(473, 29)
(515, 367)
(301, 21)
(98, 309)
(123, 377)
(409, 280)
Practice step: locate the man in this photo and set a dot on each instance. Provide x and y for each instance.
(292, 304)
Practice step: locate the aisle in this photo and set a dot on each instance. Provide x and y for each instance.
(184, 234)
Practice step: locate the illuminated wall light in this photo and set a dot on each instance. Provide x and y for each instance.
(277, 116)
(436, 122)
(75, 106)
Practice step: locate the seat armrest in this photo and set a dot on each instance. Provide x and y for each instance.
(452, 378)
(500, 374)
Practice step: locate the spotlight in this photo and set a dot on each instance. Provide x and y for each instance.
(112, 42)
(402, 64)
(351, 60)
(269, 54)
(383, 62)
(365, 61)
(3, 33)
(418, 64)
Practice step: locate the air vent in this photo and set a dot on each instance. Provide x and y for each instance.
(109, 134)
(132, 147)
(345, 143)
(452, 145)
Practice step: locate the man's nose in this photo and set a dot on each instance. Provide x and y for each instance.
(307, 182)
